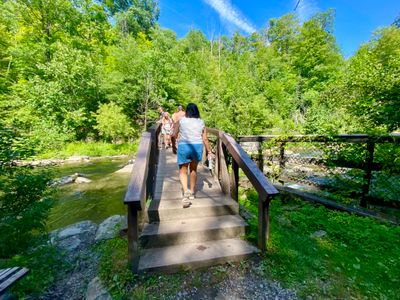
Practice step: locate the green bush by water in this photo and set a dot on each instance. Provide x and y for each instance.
(358, 257)
(91, 149)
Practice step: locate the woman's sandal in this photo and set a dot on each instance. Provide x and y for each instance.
(185, 200)
(191, 196)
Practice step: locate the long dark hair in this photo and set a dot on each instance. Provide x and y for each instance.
(192, 111)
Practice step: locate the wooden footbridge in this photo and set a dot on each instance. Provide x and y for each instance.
(163, 236)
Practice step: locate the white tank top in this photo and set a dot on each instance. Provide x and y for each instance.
(191, 130)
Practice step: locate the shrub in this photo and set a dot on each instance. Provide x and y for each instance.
(112, 123)
(24, 198)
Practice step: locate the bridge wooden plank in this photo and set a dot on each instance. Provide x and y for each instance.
(7, 272)
(10, 276)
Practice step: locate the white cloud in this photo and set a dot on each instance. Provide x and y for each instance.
(306, 9)
(231, 14)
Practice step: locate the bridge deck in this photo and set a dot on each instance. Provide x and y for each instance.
(204, 234)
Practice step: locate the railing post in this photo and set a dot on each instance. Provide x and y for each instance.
(282, 157)
(217, 158)
(235, 180)
(263, 222)
(152, 165)
(224, 173)
(260, 159)
(369, 160)
(133, 235)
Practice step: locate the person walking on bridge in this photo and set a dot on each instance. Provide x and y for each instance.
(176, 117)
(166, 129)
(192, 135)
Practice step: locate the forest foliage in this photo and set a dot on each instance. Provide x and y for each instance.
(64, 62)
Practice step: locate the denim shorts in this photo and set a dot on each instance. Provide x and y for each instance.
(189, 152)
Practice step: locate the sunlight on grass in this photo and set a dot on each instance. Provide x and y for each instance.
(357, 258)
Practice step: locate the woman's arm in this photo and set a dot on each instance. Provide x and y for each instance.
(175, 130)
(205, 141)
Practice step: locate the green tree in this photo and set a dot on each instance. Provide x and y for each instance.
(373, 82)
(134, 16)
(112, 124)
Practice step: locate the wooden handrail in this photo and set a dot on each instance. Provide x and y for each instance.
(140, 188)
(345, 138)
(136, 192)
(263, 187)
(226, 144)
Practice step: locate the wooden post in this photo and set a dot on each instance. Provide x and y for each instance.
(235, 181)
(217, 159)
(263, 222)
(369, 160)
(260, 157)
(133, 235)
(282, 157)
(223, 168)
(152, 166)
(204, 156)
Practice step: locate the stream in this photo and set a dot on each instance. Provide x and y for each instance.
(94, 201)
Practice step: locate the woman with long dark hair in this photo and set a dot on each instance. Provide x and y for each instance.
(192, 135)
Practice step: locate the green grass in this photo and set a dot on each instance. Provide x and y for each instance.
(90, 149)
(358, 257)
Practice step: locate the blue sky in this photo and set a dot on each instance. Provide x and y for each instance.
(355, 20)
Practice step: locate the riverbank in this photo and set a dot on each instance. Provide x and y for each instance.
(89, 149)
(75, 159)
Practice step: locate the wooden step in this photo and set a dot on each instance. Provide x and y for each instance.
(177, 194)
(194, 255)
(192, 230)
(174, 185)
(212, 205)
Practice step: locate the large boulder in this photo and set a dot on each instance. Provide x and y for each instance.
(80, 179)
(78, 235)
(96, 291)
(110, 227)
(74, 178)
(64, 180)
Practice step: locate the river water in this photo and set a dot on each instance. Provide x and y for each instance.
(95, 201)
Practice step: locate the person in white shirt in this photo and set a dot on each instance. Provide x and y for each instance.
(192, 135)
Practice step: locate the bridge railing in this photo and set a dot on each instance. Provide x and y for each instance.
(229, 157)
(140, 188)
(343, 167)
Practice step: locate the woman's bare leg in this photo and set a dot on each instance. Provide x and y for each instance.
(183, 171)
(193, 175)
(166, 141)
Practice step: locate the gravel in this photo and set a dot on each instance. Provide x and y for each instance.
(238, 283)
